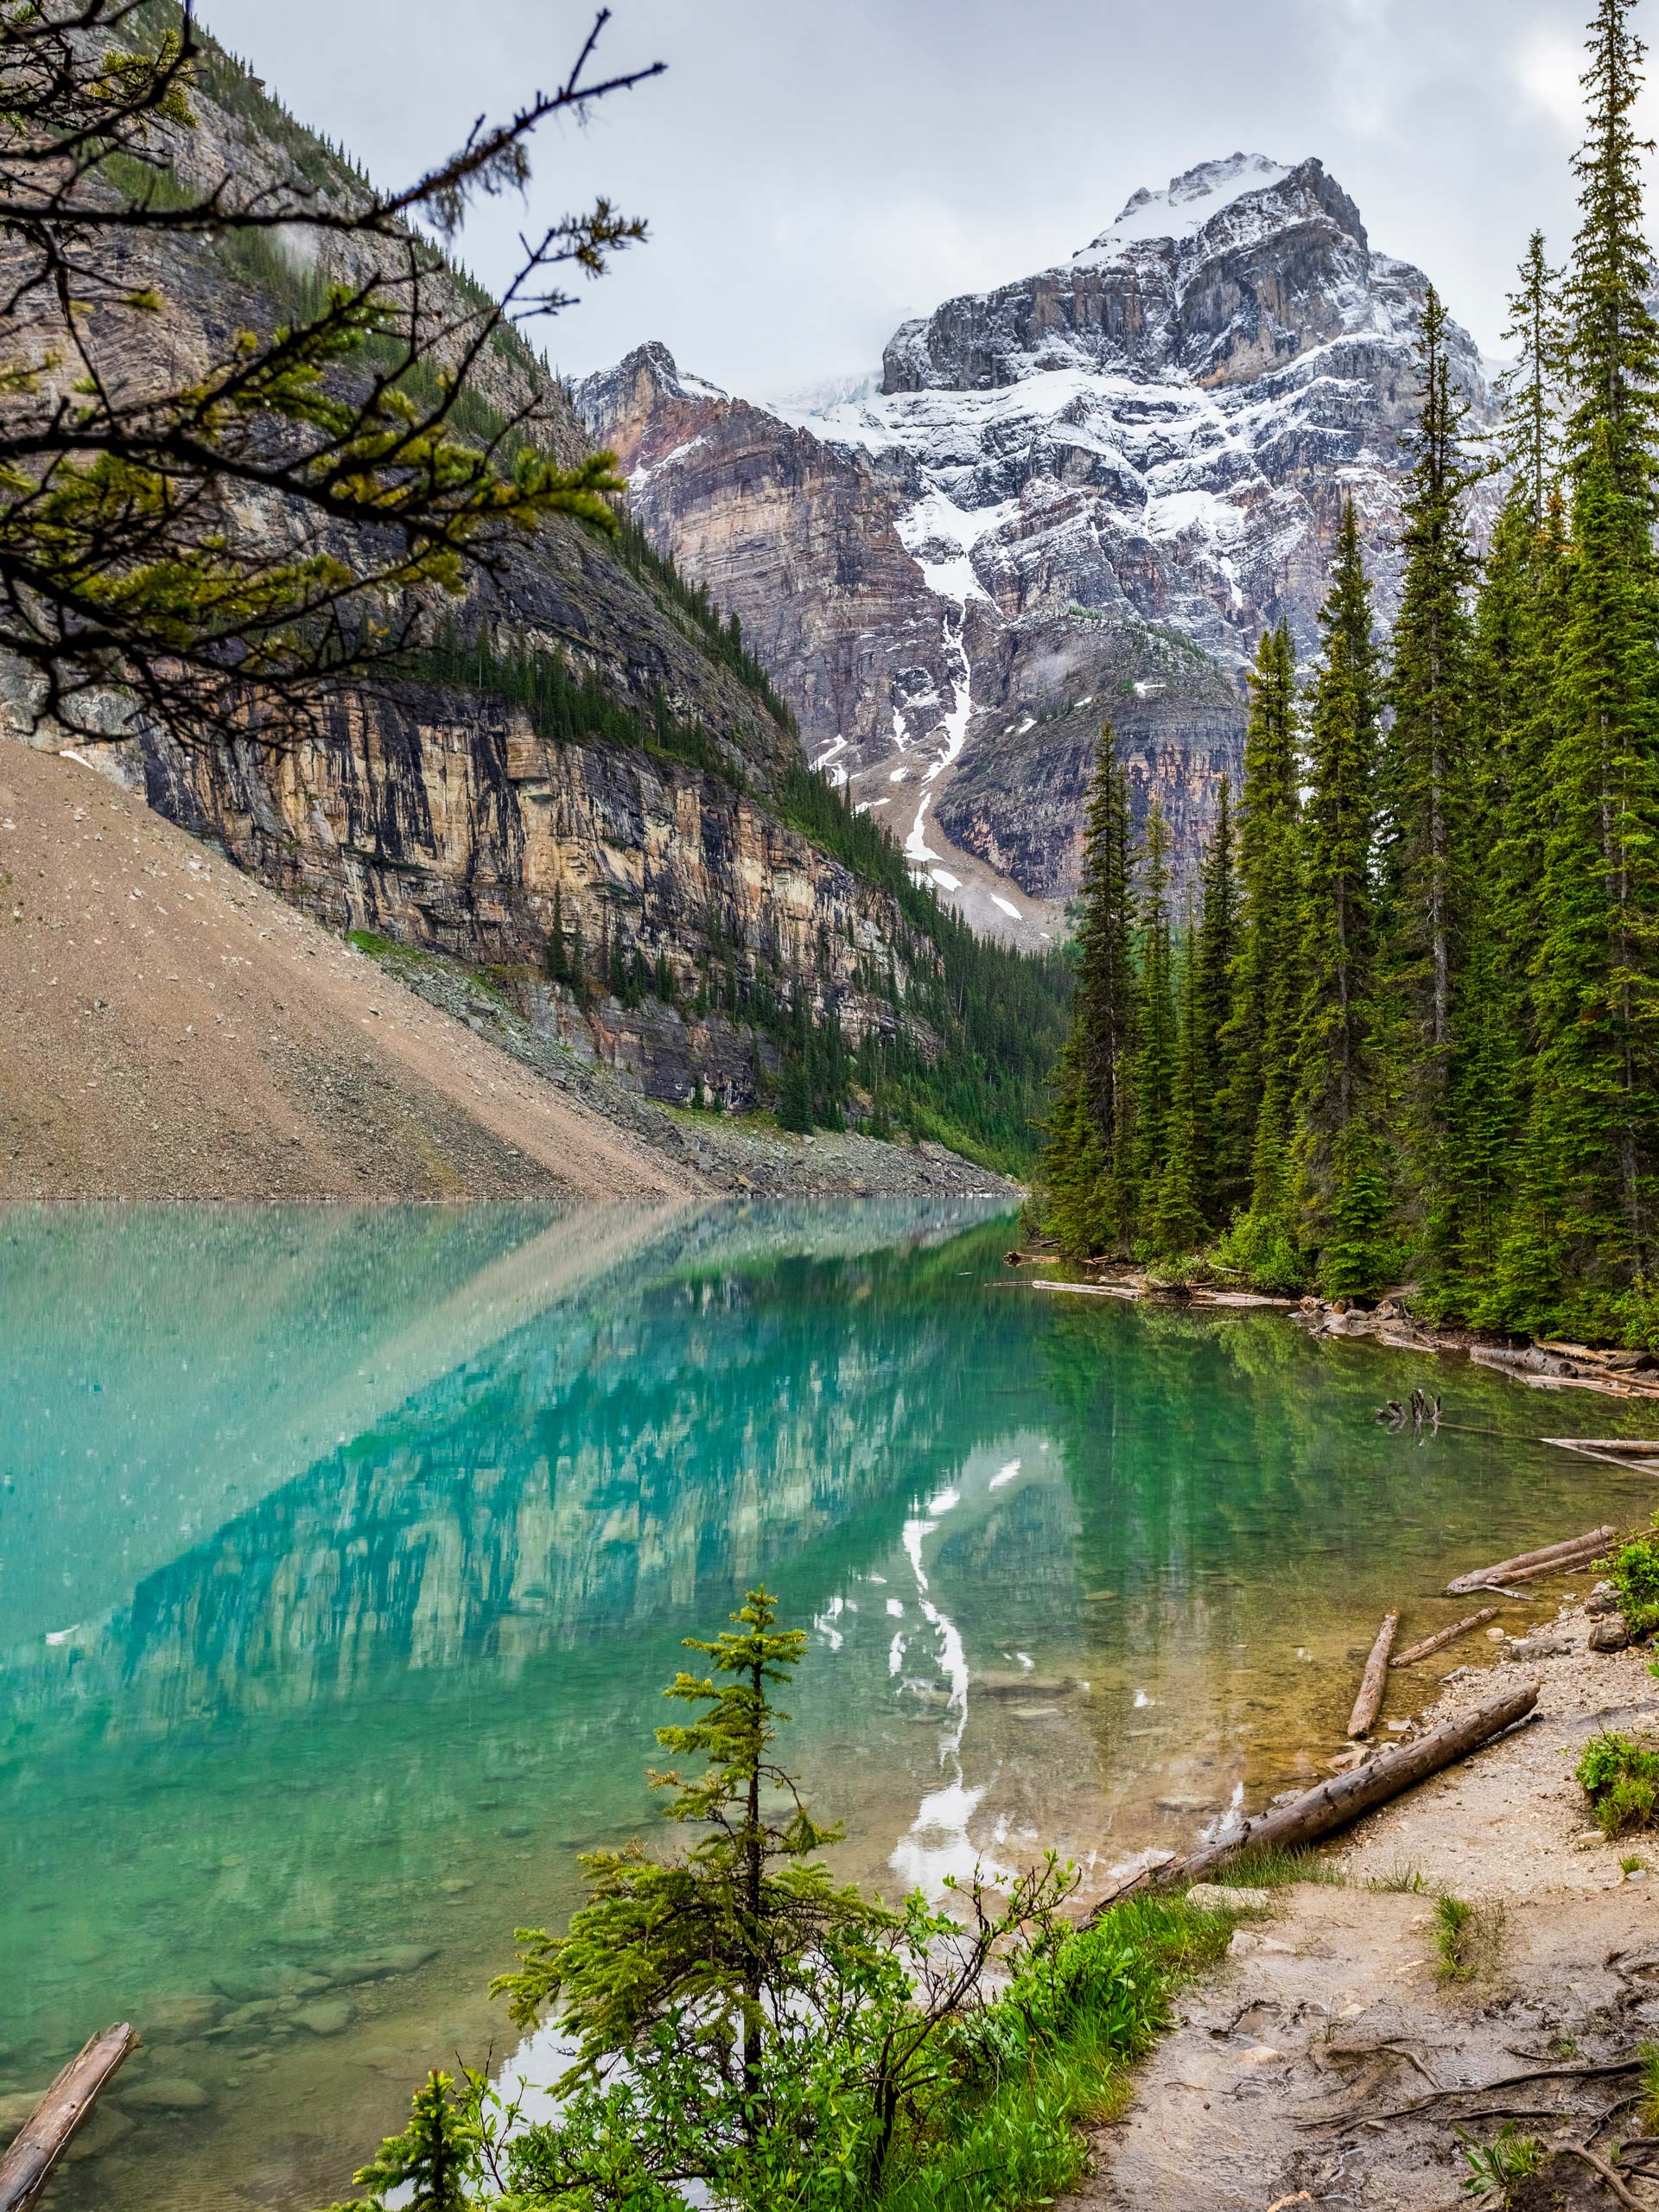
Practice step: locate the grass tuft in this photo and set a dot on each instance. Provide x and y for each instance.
(1648, 2110)
(1466, 1936)
(1085, 2015)
(1620, 1776)
(1400, 1880)
(1268, 1869)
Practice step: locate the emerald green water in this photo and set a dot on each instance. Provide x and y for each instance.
(343, 1556)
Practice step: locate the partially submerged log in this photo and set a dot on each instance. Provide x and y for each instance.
(1330, 1805)
(1637, 1447)
(1369, 1703)
(1527, 1564)
(45, 2136)
(1439, 1642)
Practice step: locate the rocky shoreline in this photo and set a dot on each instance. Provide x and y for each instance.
(1542, 1363)
(740, 1155)
(1344, 2054)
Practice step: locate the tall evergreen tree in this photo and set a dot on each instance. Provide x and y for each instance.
(1582, 1237)
(1214, 950)
(1087, 1154)
(1519, 618)
(1343, 1185)
(1253, 1117)
(1156, 1027)
(1529, 437)
(1428, 851)
(1176, 1222)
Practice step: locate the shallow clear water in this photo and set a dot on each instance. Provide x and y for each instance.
(343, 1556)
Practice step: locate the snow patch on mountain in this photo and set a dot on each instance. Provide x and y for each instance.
(1188, 202)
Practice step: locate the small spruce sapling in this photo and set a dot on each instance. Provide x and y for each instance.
(726, 1932)
(439, 2155)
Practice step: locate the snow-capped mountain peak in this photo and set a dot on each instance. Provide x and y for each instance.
(1189, 200)
(1087, 490)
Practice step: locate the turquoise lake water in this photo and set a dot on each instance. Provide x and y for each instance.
(343, 1556)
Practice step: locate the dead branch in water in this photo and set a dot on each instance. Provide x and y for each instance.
(1526, 1565)
(44, 2137)
(1369, 1703)
(1331, 1804)
(1439, 1642)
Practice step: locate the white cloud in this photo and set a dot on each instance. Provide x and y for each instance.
(813, 176)
(1546, 68)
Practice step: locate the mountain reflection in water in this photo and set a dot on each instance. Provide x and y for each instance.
(344, 1554)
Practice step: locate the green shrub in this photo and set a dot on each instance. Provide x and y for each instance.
(1620, 1776)
(1634, 1570)
(743, 2021)
(1260, 1249)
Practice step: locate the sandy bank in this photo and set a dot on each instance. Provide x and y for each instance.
(172, 1030)
(1332, 2060)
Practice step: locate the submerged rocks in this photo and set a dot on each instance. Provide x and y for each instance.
(374, 1965)
(1025, 1686)
(330, 2018)
(164, 2092)
(180, 2019)
(259, 1984)
(15, 2110)
(100, 2134)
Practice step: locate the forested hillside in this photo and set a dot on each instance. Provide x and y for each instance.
(1415, 1029)
(572, 775)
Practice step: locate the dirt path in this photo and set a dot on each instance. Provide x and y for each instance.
(169, 1028)
(1333, 2008)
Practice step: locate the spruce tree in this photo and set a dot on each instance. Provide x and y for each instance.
(1254, 1110)
(1427, 832)
(1343, 1181)
(1215, 949)
(1176, 1224)
(1529, 437)
(1086, 1158)
(1519, 617)
(1581, 1238)
(1155, 1036)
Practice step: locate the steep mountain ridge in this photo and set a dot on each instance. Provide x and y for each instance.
(590, 789)
(1108, 478)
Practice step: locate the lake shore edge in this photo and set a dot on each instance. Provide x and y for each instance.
(1358, 2021)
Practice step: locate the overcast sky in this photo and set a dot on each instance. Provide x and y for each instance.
(814, 173)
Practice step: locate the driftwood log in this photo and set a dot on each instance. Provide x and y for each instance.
(1369, 1703)
(45, 2136)
(1527, 1565)
(1330, 1805)
(1640, 1447)
(1439, 1642)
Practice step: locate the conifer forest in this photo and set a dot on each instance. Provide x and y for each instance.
(1411, 1030)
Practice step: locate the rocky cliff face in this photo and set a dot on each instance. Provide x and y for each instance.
(444, 822)
(1109, 478)
(438, 815)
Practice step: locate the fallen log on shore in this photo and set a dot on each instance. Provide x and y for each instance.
(1527, 1564)
(1330, 1805)
(1439, 1642)
(27, 2166)
(1369, 1703)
